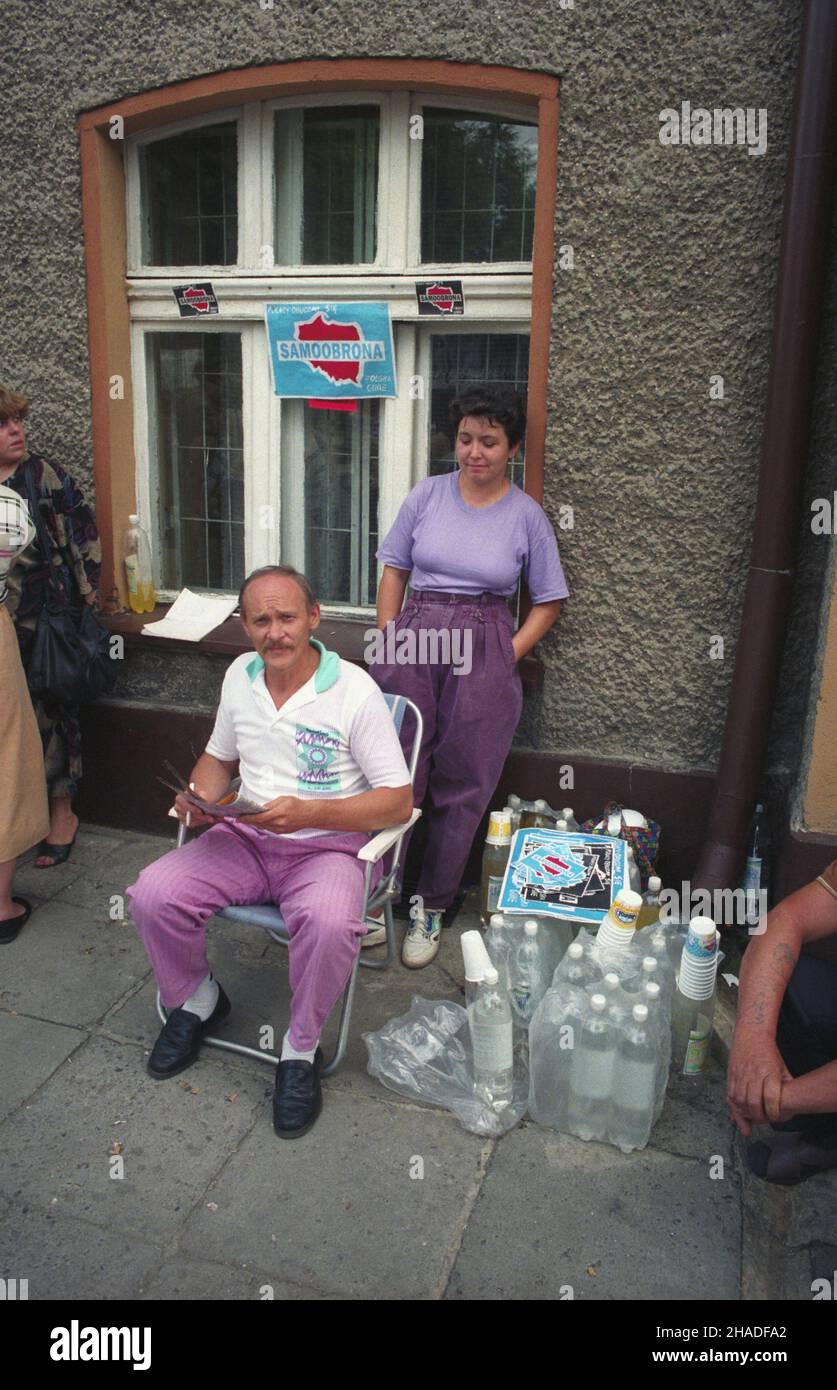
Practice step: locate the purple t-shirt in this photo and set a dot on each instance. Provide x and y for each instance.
(455, 548)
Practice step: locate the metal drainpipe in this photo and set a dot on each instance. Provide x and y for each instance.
(790, 389)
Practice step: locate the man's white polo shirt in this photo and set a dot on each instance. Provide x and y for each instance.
(333, 738)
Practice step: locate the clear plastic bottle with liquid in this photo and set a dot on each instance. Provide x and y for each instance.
(142, 597)
(490, 1023)
(498, 945)
(495, 857)
(591, 1074)
(528, 975)
(634, 1084)
(567, 815)
(539, 818)
(649, 913)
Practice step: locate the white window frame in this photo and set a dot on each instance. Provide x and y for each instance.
(497, 299)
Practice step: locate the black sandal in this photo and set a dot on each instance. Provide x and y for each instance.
(12, 925)
(59, 854)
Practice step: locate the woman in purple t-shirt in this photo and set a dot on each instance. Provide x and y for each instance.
(462, 540)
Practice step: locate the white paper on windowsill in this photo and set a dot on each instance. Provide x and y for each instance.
(192, 616)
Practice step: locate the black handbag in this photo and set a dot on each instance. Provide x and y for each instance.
(70, 657)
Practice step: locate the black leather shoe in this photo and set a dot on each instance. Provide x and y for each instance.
(298, 1098)
(179, 1043)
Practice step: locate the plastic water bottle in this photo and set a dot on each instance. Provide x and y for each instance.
(499, 948)
(490, 1023)
(142, 597)
(553, 1034)
(757, 865)
(634, 1084)
(528, 975)
(591, 1074)
(567, 815)
(617, 1004)
(494, 860)
(515, 806)
(649, 913)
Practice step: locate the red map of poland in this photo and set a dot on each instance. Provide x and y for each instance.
(320, 329)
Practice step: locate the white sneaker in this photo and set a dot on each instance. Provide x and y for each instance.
(376, 933)
(423, 937)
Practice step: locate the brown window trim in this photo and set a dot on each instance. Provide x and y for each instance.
(104, 221)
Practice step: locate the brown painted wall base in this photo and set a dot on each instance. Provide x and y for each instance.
(803, 855)
(126, 744)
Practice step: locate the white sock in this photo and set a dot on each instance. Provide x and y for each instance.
(204, 999)
(290, 1054)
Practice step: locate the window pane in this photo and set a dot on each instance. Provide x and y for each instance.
(477, 187)
(460, 360)
(326, 182)
(197, 443)
(190, 198)
(341, 501)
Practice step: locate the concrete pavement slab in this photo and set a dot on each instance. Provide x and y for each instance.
(694, 1120)
(180, 1278)
(339, 1209)
(555, 1214)
(31, 1049)
(70, 966)
(65, 1258)
(89, 849)
(175, 1137)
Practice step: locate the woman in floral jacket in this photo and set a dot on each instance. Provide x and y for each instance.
(76, 557)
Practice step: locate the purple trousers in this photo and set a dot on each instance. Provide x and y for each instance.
(317, 882)
(469, 721)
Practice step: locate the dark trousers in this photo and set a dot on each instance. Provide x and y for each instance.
(807, 1033)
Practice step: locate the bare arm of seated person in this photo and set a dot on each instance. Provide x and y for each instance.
(372, 810)
(210, 779)
(760, 1088)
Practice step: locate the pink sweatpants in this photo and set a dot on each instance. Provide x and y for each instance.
(317, 883)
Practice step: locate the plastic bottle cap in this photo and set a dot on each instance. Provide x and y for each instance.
(576, 951)
(566, 812)
(640, 1013)
(491, 977)
(652, 989)
(530, 928)
(496, 920)
(654, 883)
(649, 964)
(540, 805)
(598, 1003)
(561, 825)
(611, 979)
(514, 802)
(133, 519)
(530, 922)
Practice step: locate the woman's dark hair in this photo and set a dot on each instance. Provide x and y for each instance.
(500, 404)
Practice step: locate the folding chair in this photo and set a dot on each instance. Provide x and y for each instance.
(269, 918)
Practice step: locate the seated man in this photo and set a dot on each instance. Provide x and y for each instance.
(783, 1061)
(318, 750)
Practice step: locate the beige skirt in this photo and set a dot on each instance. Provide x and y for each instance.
(24, 809)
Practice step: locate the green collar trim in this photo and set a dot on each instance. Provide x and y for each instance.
(325, 676)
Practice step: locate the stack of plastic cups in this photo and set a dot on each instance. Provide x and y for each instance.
(695, 987)
(617, 929)
(699, 961)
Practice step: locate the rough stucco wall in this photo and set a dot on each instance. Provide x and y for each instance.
(675, 264)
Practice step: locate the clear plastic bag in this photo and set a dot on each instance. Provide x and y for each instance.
(426, 1055)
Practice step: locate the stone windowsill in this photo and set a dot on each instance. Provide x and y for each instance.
(346, 636)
